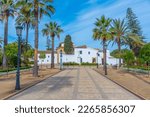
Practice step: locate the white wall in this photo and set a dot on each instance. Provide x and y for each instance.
(112, 61)
(87, 55)
(47, 60)
(69, 58)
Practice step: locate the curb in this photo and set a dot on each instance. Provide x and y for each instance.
(139, 96)
(12, 72)
(17, 92)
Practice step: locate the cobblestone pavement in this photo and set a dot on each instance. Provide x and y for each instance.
(76, 84)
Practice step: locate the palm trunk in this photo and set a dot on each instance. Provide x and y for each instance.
(5, 41)
(35, 71)
(104, 54)
(27, 33)
(119, 49)
(52, 54)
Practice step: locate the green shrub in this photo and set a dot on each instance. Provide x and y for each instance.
(88, 64)
(138, 67)
(70, 63)
(31, 62)
(145, 53)
(13, 69)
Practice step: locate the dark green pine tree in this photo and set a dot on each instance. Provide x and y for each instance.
(134, 28)
(68, 45)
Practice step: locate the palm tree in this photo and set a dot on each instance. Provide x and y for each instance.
(119, 30)
(7, 10)
(52, 29)
(40, 8)
(27, 20)
(102, 32)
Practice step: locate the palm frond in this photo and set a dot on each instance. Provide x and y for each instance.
(52, 29)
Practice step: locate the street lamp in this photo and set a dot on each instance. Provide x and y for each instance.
(19, 34)
(105, 64)
(61, 63)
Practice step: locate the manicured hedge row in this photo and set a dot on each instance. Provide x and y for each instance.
(70, 63)
(139, 67)
(88, 64)
(83, 64)
(13, 69)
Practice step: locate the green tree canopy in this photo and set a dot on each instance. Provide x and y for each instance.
(115, 53)
(145, 52)
(128, 57)
(42, 55)
(29, 53)
(133, 22)
(68, 45)
(134, 29)
(11, 53)
(11, 50)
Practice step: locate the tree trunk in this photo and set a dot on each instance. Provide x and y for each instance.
(119, 49)
(136, 51)
(6, 31)
(27, 33)
(35, 71)
(52, 54)
(5, 41)
(105, 56)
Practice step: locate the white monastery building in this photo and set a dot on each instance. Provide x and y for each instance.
(82, 54)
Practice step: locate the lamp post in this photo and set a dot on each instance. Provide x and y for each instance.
(61, 63)
(19, 34)
(105, 52)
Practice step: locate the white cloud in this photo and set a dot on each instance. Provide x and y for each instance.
(81, 28)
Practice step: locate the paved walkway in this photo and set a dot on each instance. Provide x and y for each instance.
(76, 83)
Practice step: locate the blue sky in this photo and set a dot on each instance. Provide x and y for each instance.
(77, 18)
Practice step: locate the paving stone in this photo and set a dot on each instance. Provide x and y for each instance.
(76, 83)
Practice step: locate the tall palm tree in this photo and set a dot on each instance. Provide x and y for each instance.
(119, 30)
(7, 10)
(26, 19)
(52, 29)
(40, 8)
(102, 32)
